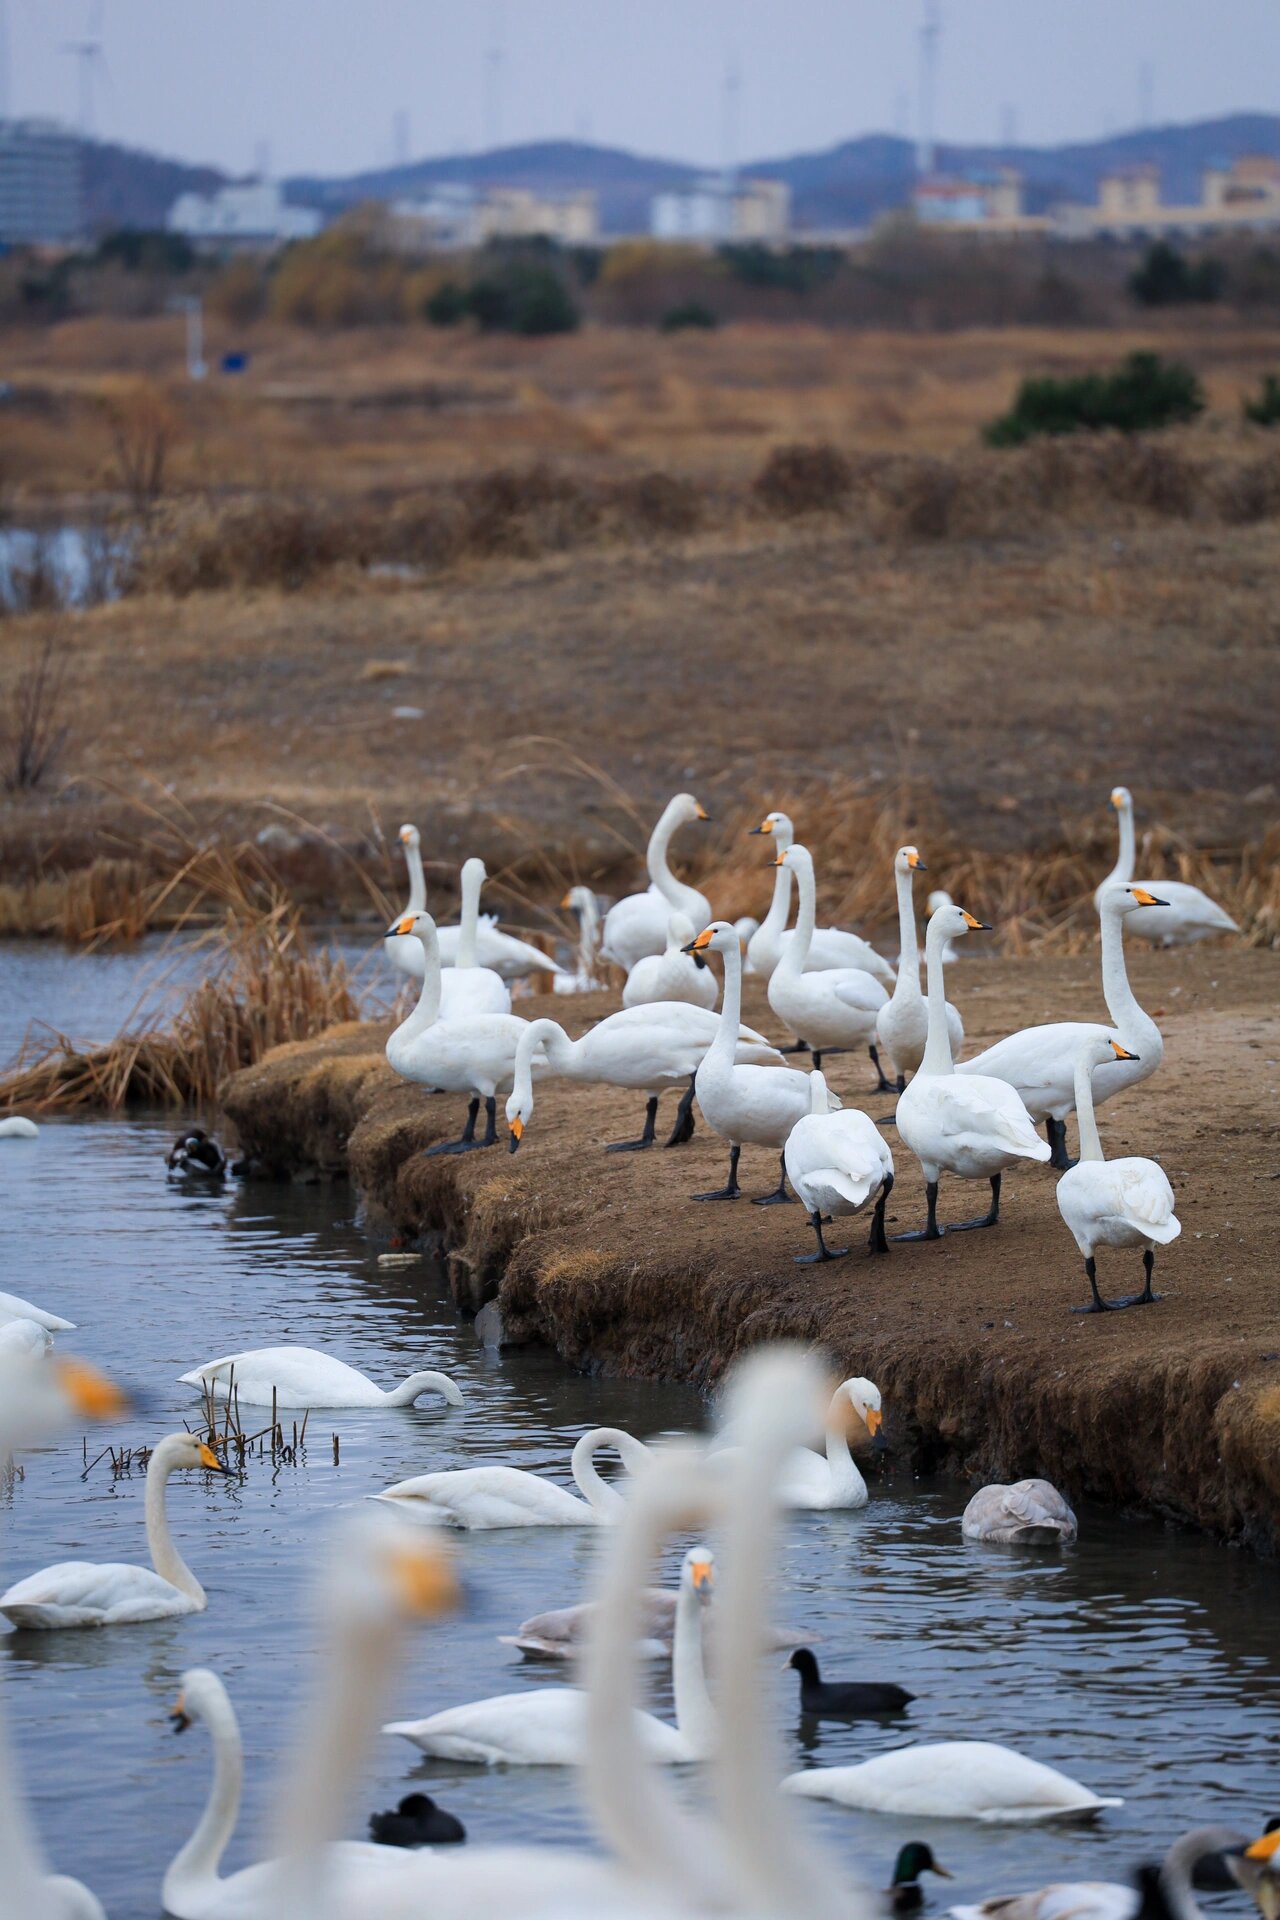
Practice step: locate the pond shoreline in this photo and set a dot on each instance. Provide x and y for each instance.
(985, 1371)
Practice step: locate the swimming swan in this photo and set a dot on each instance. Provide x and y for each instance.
(902, 1025)
(547, 1727)
(957, 1123)
(672, 974)
(953, 1780)
(1110, 1899)
(637, 924)
(830, 946)
(834, 1007)
(1039, 1062)
(480, 1498)
(14, 1307)
(1185, 914)
(651, 1049)
(301, 1377)
(502, 952)
(18, 1127)
(812, 1482)
(1028, 1513)
(1113, 1203)
(80, 1593)
(745, 1105)
(836, 1162)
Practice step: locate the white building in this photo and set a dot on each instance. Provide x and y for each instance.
(40, 200)
(715, 210)
(248, 217)
(455, 217)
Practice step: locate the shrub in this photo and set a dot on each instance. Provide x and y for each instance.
(794, 271)
(1145, 392)
(688, 313)
(447, 305)
(147, 250)
(1250, 492)
(32, 734)
(522, 296)
(1264, 411)
(239, 293)
(804, 478)
(659, 503)
(1166, 278)
(142, 425)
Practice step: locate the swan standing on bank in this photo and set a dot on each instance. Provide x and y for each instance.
(548, 1727)
(672, 974)
(968, 1125)
(830, 946)
(466, 987)
(297, 1377)
(1183, 914)
(582, 903)
(637, 924)
(481, 1498)
(902, 1026)
(745, 1105)
(1028, 1513)
(651, 1049)
(80, 1593)
(475, 1055)
(502, 952)
(1112, 1203)
(834, 1007)
(836, 1162)
(1039, 1063)
(941, 898)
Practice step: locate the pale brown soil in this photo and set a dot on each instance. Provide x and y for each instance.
(1173, 1408)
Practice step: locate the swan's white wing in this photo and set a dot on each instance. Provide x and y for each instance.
(1146, 1198)
(508, 956)
(300, 1376)
(483, 1498)
(1069, 1900)
(953, 1779)
(982, 1110)
(14, 1307)
(858, 991)
(89, 1593)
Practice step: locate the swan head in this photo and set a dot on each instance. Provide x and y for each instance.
(1100, 1048)
(200, 1695)
(189, 1450)
(474, 870)
(381, 1574)
(1121, 799)
(1120, 899)
(410, 837)
(864, 1397)
(778, 826)
(697, 1573)
(420, 924)
(580, 900)
(798, 858)
(684, 810)
(951, 921)
(907, 860)
(719, 937)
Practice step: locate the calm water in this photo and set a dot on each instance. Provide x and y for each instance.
(1143, 1661)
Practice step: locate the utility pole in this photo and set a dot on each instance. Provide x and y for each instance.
(926, 152)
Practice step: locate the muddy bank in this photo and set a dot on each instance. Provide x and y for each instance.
(985, 1371)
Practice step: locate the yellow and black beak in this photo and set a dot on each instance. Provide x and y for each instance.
(1122, 1053)
(1145, 899)
(1265, 1847)
(700, 812)
(208, 1458)
(766, 826)
(403, 925)
(781, 860)
(93, 1396)
(566, 902)
(425, 1582)
(975, 926)
(517, 1134)
(180, 1719)
(915, 863)
(703, 1578)
(700, 942)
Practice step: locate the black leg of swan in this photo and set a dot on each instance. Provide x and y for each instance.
(465, 1139)
(779, 1197)
(824, 1251)
(1097, 1304)
(878, 1241)
(1146, 1298)
(1055, 1132)
(646, 1138)
(882, 1084)
(730, 1191)
(490, 1122)
(931, 1230)
(798, 1046)
(683, 1128)
(989, 1219)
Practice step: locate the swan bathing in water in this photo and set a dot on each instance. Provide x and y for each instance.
(480, 1498)
(297, 1377)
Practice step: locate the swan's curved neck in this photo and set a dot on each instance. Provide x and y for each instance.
(1126, 855)
(195, 1865)
(1122, 1004)
(796, 951)
(472, 881)
(659, 866)
(417, 1383)
(695, 1715)
(1086, 1119)
(844, 1468)
(417, 878)
(561, 1054)
(908, 942)
(774, 923)
(165, 1558)
(595, 1491)
(937, 1050)
(427, 1011)
(723, 1050)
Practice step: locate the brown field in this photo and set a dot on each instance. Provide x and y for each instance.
(981, 644)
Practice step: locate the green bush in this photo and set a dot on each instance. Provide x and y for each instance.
(522, 296)
(447, 305)
(1265, 410)
(1167, 279)
(688, 313)
(796, 270)
(1146, 392)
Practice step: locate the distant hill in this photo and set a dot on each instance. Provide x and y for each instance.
(842, 186)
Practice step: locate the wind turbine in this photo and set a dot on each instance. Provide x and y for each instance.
(89, 64)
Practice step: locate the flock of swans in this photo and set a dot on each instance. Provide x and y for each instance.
(965, 1119)
(749, 1858)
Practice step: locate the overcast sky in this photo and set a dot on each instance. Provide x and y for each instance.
(321, 81)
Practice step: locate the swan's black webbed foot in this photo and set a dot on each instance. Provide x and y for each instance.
(647, 1137)
(824, 1252)
(931, 1230)
(465, 1141)
(731, 1190)
(1144, 1299)
(1055, 1132)
(779, 1197)
(988, 1219)
(882, 1085)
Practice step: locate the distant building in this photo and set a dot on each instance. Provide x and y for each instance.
(40, 198)
(714, 210)
(250, 218)
(984, 202)
(455, 217)
(1241, 195)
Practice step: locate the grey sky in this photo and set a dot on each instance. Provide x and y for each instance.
(321, 80)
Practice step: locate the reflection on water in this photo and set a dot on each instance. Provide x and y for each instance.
(1143, 1661)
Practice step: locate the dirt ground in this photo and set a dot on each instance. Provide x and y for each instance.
(984, 1368)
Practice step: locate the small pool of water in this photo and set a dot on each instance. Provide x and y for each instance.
(1143, 1661)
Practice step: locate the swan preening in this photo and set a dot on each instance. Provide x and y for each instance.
(478, 1498)
(1029, 1513)
(81, 1593)
(297, 1377)
(486, 946)
(637, 925)
(837, 1163)
(1183, 913)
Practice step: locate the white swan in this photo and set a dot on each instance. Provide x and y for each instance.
(296, 1377)
(836, 1162)
(475, 1055)
(1112, 1203)
(745, 1105)
(953, 1780)
(830, 946)
(672, 974)
(16, 1127)
(956, 1122)
(80, 1593)
(581, 901)
(834, 1007)
(561, 1633)
(14, 1307)
(547, 1727)
(1039, 1063)
(941, 898)
(25, 1337)
(502, 952)
(480, 1498)
(466, 987)
(1111, 1899)
(637, 924)
(816, 1483)
(902, 1025)
(649, 1049)
(1027, 1513)
(1184, 914)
